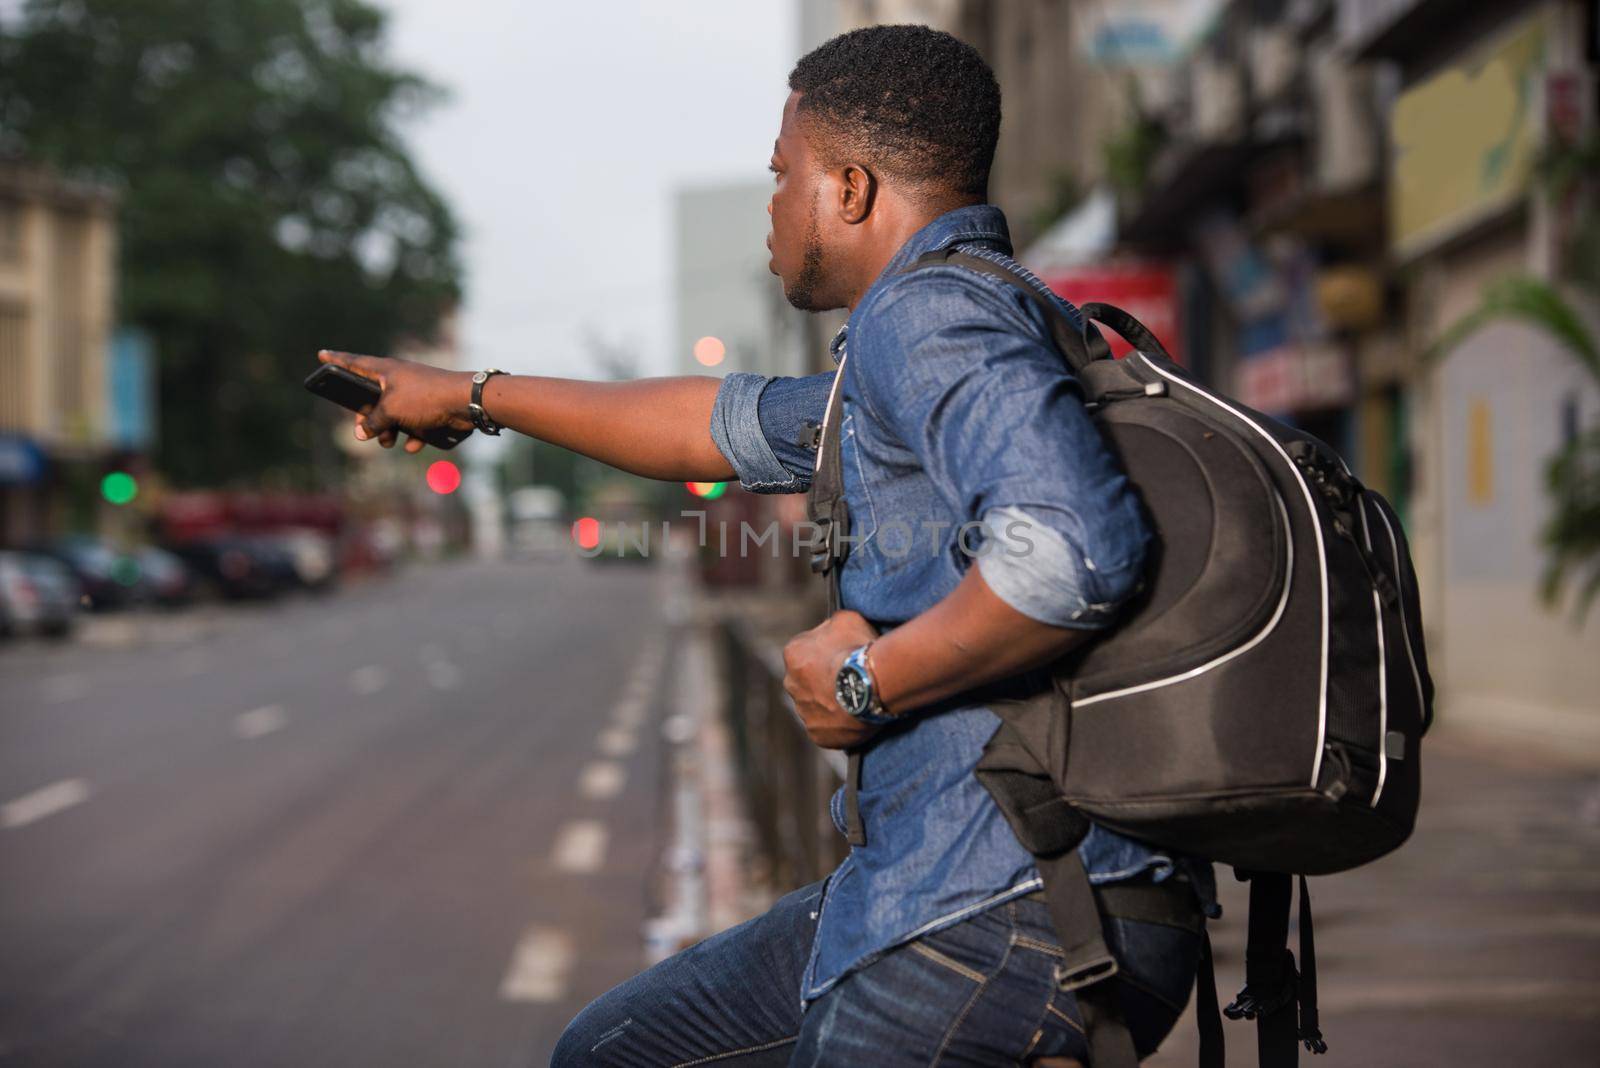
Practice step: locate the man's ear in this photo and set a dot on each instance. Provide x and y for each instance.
(858, 188)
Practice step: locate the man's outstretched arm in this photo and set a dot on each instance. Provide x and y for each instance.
(655, 427)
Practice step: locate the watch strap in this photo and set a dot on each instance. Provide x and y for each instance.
(480, 417)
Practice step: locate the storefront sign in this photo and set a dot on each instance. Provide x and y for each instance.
(1145, 291)
(1295, 378)
(1464, 140)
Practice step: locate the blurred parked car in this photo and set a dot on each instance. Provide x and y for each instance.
(37, 594)
(311, 556)
(109, 578)
(232, 567)
(274, 558)
(163, 578)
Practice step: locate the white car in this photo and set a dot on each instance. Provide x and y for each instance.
(38, 594)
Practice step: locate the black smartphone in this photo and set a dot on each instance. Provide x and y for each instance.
(354, 392)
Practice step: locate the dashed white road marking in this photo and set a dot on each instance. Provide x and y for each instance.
(580, 847)
(442, 675)
(539, 966)
(602, 780)
(366, 681)
(617, 742)
(45, 801)
(62, 688)
(261, 721)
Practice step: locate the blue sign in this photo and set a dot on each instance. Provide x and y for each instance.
(21, 462)
(130, 383)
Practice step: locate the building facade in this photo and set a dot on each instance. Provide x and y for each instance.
(1466, 209)
(59, 395)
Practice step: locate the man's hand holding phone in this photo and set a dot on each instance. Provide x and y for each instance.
(423, 402)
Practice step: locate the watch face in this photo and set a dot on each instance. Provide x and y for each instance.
(853, 689)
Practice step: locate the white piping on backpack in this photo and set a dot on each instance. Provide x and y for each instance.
(1411, 656)
(1316, 526)
(1383, 667)
(838, 380)
(1260, 635)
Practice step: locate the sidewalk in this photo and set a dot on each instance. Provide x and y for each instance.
(1476, 944)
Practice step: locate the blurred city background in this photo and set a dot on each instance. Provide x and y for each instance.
(312, 753)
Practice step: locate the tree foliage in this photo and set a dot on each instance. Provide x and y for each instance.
(268, 206)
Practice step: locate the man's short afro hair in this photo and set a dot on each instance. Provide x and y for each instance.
(915, 102)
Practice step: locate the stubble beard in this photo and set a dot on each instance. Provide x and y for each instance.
(803, 293)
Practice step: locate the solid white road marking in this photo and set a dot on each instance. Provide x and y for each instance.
(602, 780)
(617, 742)
(45, 801)
(580, 847)
(539, 966)
(366, 681)
(261, 721)
(443, 675)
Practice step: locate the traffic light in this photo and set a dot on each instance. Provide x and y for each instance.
(119, 487)
(444, 477)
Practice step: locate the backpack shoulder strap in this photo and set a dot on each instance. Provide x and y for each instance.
(826, 508)
(825, 504)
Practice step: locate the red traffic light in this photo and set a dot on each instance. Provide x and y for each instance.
(444, 476)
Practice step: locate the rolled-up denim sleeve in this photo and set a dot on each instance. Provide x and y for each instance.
(760, 424)
(1030, 566)
(997, 420)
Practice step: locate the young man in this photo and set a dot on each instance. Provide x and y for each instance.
(930, 943)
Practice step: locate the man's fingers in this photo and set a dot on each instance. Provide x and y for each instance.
(414, 445)
(377, 421)
(387, 438)
(365, 366)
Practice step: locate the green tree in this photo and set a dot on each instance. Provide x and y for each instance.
(268, 205)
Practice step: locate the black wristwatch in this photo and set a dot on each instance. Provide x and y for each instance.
(855, 690)
(480, 418)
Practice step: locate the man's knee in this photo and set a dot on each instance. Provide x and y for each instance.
(569, 1047)
(581, 1041)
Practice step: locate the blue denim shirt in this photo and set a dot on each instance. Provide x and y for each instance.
(964, 442)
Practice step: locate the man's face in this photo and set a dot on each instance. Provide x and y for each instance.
(796, 241)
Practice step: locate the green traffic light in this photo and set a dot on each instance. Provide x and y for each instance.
(119, 487)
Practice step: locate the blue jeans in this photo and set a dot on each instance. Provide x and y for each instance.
(981, 991)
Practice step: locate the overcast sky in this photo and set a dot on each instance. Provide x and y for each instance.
(568, 128)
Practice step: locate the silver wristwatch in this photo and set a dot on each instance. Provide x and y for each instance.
(855, 690)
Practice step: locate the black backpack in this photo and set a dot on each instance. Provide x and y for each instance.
(1270, 677)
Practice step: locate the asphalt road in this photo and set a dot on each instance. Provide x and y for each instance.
(413, 822)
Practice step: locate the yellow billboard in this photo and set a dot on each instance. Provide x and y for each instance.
(1463, 141)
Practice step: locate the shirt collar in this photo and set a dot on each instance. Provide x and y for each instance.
(975, 224)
